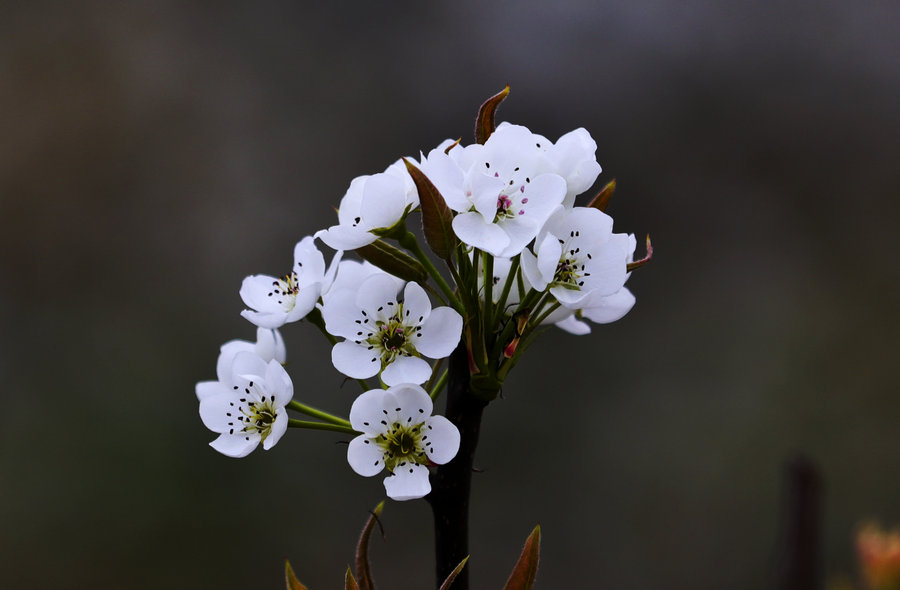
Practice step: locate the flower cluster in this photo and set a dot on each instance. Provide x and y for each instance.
(501, 215)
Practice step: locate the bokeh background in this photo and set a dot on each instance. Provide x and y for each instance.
(153, 154)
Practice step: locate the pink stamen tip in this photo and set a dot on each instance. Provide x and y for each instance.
(496, 175)
(521, 212)
(525, 200)
(522, 188)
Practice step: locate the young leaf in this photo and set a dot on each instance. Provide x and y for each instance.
(290, 579)
(393, 260)
(362, 551)
(437, 218)
(453, 574)
(484, 122)
(639, 263)
(522, 576)
(602, 199)
(350, 581)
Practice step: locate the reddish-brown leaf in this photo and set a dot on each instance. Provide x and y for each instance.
(350, 581)
(362, 551)
(645, 259)
(484, 122)
(290, 579)
(453, 574)
(602, 199)
(522, 576)
(437, 219)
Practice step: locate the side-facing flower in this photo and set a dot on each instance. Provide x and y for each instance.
(578, 257)
(274, 302)
(400, 434)
(373, 202)
(269, 346)
(248, 408)
(387, 335)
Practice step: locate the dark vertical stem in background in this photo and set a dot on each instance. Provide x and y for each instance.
(799, 563)
(451, 483)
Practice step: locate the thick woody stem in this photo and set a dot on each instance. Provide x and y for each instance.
(451, 483)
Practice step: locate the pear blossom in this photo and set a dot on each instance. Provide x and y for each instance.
(578, 258)
(373, 202)
(387, 335)
(400, 434)
(248, 406)
(573, 157)
(274, 302)
(269, 345)
(504, 190)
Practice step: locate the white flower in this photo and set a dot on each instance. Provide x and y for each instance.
(385, 334)
(400, 434)
(372, 202)
(269, 345)
(351, 274)
(248, 407)
(275, 302)
(579, 258)
(602, 310)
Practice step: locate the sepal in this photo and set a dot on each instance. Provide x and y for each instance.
(393, 261)
(437, 218)
(484, 122)
(525, 571)
(602, 199)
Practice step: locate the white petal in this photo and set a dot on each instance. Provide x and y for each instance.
(610, 308)
(573, 325)
(444, 439)
(520, 231)
(247, 365)
(354, 360)
(408, 482)
(206, 389)
(279, 384)
(406, 369)
(364, 456)
(309, 264)
(414, 403)
(270, 345)
(235, 446)
(304, 303)
(416, 305)
(529, 263)
(440, 333)
(366, 412)
(549, 253)
(268, 320)
(341, 315)
(375, 293)
(383, 201)
(473, 230)
(255, 291)
(447, 177)
(226, 357)
(279, 427)
(345, 237)
(214, 411)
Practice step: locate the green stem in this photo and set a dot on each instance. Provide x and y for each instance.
(320, 426)
(488, 320)
(409, 242)
(315, 413)
(507, 286)
(436, 390)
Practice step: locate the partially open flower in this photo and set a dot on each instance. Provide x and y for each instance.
(248, 407)
(269, 346)
(400, 434)
(274, 302)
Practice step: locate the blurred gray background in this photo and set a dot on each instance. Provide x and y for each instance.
(153, 154)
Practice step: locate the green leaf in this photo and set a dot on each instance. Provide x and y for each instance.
(522, 576)
(645, 259)
(437, 219)
(362, 551)
(393, 260)
(484, 122)
(602, 199)
(290, 579)
(350, 581)
(453, 574)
